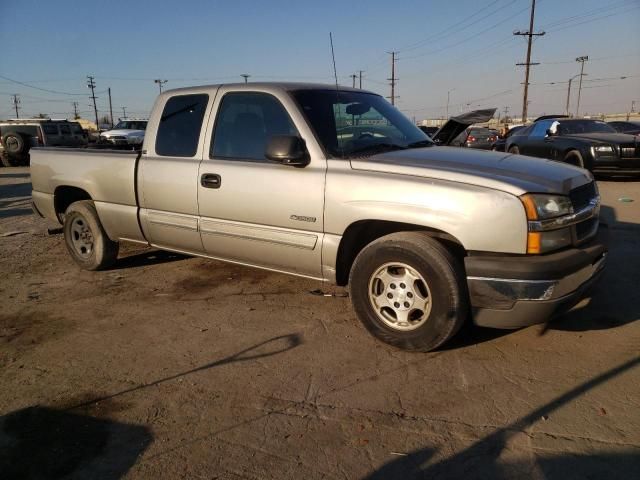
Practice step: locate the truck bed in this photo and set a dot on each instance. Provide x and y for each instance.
(107, 176)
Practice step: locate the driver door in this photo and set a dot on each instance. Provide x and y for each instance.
(254, 211)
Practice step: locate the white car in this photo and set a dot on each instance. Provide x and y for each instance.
(126, 133)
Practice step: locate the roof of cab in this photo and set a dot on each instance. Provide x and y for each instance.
(287, 86)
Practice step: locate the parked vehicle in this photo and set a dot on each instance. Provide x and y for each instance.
(340, 187)
(589, 144)
(500, 143)
(18, 136)
(632, 128)
(127, 133)
(475, 137)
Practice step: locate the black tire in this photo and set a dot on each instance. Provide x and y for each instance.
(86, 240)
(446, 290)
(15, 144)
(514, 149)
(574, 158)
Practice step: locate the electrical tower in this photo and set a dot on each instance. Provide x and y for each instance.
(160, 83)
(16, 104)
(582, 59)
(110, 107)
(393, 80)
(92, 85)
(529, 34)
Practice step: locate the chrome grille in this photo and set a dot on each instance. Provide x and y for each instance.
(581, 197)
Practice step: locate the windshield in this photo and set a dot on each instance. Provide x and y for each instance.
(352, 124)
(584, 126)
(130, 125)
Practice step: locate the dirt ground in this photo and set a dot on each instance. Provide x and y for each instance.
(177, 367)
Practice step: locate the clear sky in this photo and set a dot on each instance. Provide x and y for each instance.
(465, 47)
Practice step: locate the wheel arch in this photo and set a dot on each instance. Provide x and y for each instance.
(361, 233)
(65, 195)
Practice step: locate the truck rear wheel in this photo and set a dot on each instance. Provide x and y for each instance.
(86, 240)
(409, 291)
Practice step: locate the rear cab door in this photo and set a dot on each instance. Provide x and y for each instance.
(252, 210)
(168, 170)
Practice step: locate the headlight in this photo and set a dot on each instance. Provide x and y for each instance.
(603, 150)
(540, 207)
(543, 207)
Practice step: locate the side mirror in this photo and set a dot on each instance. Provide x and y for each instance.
(288, 150)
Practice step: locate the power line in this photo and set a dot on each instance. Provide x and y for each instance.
(529, 34)
(41, 89)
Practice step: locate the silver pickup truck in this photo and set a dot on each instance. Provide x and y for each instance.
(337, 185)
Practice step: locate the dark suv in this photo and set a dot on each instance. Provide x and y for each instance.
(18, 136)
(590, 144)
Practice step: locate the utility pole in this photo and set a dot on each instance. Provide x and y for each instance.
(110, 107)
(569, 93)
(75, 111)
(16, 104)
(530, 34)
(353, 80)
(393, 78)
(160, 83)
(582, 59)
(245, 76)
(124, 113)
(448, 95)
(506, 113)
(92, 85)
(360, 75)
(633, 106)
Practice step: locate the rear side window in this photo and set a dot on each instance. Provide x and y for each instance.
(244, 124)
(65, 130)
(180, 125)
(50, 129)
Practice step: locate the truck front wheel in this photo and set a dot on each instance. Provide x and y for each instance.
(409, 291)
(86, 240)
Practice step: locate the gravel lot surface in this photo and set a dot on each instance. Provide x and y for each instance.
(176, 367)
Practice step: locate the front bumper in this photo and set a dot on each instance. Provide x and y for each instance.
(517, 291)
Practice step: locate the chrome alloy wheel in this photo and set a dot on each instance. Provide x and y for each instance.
(400, 296)
(81, 237)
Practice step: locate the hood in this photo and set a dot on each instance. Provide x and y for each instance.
(605, 137)
(125, 132)
(515, 174)
(456, 125)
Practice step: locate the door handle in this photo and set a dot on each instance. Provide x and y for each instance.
(210, 180)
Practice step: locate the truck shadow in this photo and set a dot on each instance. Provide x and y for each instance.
(40, 442)
(482, 459)
(148, 258)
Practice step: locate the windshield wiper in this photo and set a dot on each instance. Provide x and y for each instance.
(373, 149)
(421, 143)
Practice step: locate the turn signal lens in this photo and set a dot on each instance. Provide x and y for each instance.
(534, 242)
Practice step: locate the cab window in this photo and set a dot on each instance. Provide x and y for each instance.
(244, 124)
(180, 125)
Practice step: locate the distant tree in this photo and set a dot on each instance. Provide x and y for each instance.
(42, 115)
